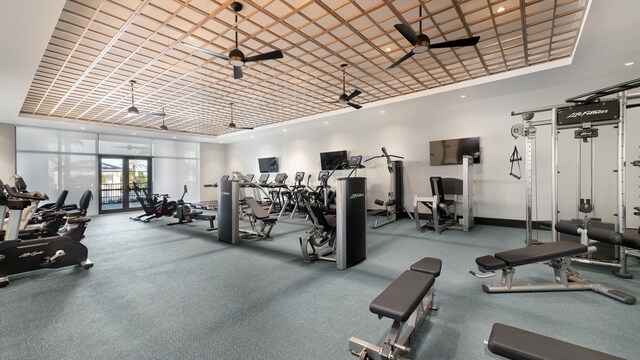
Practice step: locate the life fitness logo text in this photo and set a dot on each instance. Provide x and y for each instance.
(586, 113)
(356, 196)
(35, 253)
(226, 193)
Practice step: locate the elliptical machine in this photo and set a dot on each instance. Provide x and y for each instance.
(18, 256)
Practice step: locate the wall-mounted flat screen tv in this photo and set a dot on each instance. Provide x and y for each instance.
(268, 165)
(450, 152)
(334, 159)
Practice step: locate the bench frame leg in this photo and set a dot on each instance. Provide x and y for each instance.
(566, 279)
(398, 337)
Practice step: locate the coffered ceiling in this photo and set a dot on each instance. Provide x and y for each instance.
(99, 45)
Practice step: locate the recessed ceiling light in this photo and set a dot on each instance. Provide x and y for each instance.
(500, 9)
(252, 136)
(629, 63)
(285, 130)
(175, 137)
(82, 128)
(133, 133)
(387, 49)
(326, 123)
(383, 111)
(463, 96)
(221, 142)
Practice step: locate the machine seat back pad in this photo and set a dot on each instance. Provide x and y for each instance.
(403, 295)
(517, 344)
(428, 265)
(546, 251)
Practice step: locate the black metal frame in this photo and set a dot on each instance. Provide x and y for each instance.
(126, 204)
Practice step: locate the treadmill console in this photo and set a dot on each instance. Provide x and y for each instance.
(299, 176)
(263, 179)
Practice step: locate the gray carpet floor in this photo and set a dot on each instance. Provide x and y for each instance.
(160, 292)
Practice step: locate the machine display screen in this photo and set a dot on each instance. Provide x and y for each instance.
(450, 152)
(268, 165)
(333, 159)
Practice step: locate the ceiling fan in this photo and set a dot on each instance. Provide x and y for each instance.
(236, 57)
(233, 125)
(133, 110)
(345, 99)
(163, 114)
(421, 43)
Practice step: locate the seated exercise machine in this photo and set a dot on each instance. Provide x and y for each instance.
(151, 204)
(394, 204)
(558, 256)
(321, 237)
(229, 212)
(18, 256)
(445, 214)
(508, 342)
(185, 214)
(406, 301)
(344, 233)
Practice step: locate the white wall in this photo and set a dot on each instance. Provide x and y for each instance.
(213, 164)
(407, 127)
(7, 151)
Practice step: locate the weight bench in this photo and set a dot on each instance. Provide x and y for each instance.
(555, 254)
(258, 213)
(406, 301)
(508, 342)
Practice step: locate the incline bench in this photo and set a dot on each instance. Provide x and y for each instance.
(558, 256)
(406, 301)
(508, 342)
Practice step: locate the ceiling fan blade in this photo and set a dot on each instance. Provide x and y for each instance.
(355, 106)
(244, 128)
(223, 57)
(455, 43)
(157, 113)
(237, 72)
(405, 57)
(354, 94)
(407, 32)
(277, 54)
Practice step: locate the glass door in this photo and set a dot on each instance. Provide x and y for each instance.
(138, 173)
(117, 175)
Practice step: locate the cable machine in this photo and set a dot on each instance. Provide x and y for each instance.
(584, 114)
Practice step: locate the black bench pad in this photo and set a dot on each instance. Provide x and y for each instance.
(402, 296)
(546, 251)
(489, 263)
(428, 265)
(517, 344)
(377, 212)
